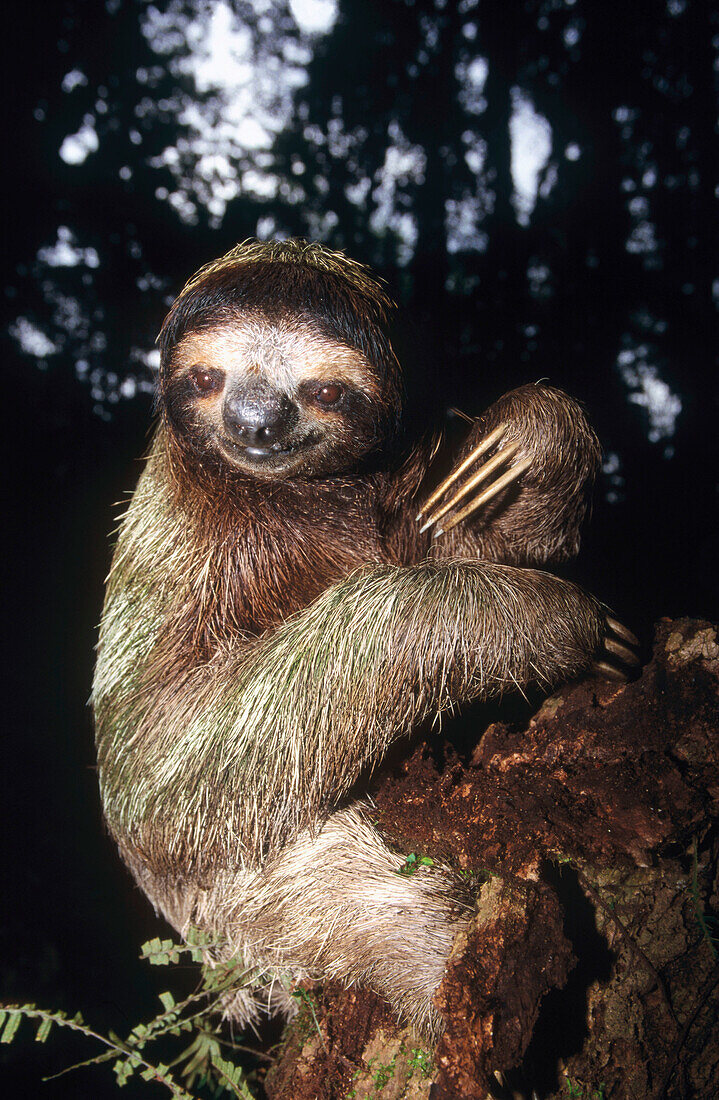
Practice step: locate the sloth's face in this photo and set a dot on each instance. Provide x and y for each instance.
(273, 400)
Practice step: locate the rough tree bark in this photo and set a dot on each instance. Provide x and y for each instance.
(591, 968)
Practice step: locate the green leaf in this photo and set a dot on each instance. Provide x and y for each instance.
(11, 1025)
(123, 1071)
(43, 1031)
(158, 952)
(234, 1077)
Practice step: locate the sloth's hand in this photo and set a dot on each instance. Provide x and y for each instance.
(518, 490)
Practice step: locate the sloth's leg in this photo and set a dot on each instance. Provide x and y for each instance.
(334, 905)
(523, 499)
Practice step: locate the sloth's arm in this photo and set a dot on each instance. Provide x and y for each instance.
(329, 690)
(393, 644)
(537, 518)
(282, 728)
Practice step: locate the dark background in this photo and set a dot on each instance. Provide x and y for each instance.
(603, 285)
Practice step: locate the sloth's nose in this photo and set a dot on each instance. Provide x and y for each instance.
(258, 416)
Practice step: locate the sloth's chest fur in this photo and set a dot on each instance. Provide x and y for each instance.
(275, 554)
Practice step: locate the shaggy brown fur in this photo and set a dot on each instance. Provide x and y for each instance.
(274, 620)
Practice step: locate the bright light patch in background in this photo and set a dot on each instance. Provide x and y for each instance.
(65, 252)
(471, 77)
(404, 167)
(151, 359)
(572, 34)
(247, 75)
(74, 79)
(642, 239)
(76, 148)
(539, 277)
(314, 16)
(612, 470)
(464, 212)
(462, 217)
(475, 151)
(247, 78)
(650, 392)
(531, 147)
(32, 340)
(220, 51)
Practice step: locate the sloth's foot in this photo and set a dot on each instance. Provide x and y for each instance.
(497, 470)
(618, 658)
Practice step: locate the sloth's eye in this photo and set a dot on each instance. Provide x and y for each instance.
(206, 381)
(329, 394)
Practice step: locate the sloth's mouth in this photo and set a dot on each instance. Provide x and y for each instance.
(259, 454)
(274, 455)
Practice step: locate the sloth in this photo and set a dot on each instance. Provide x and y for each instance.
(291, 592)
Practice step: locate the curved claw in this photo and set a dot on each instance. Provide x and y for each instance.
(485, 470)
(456, 473)
(617, 659)
(622, 651)
(621, 631)
(609, 672)
(496, 487)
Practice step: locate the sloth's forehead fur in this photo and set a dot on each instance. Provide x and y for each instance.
(283, 354)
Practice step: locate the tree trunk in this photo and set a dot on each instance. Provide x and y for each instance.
(591, 966)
